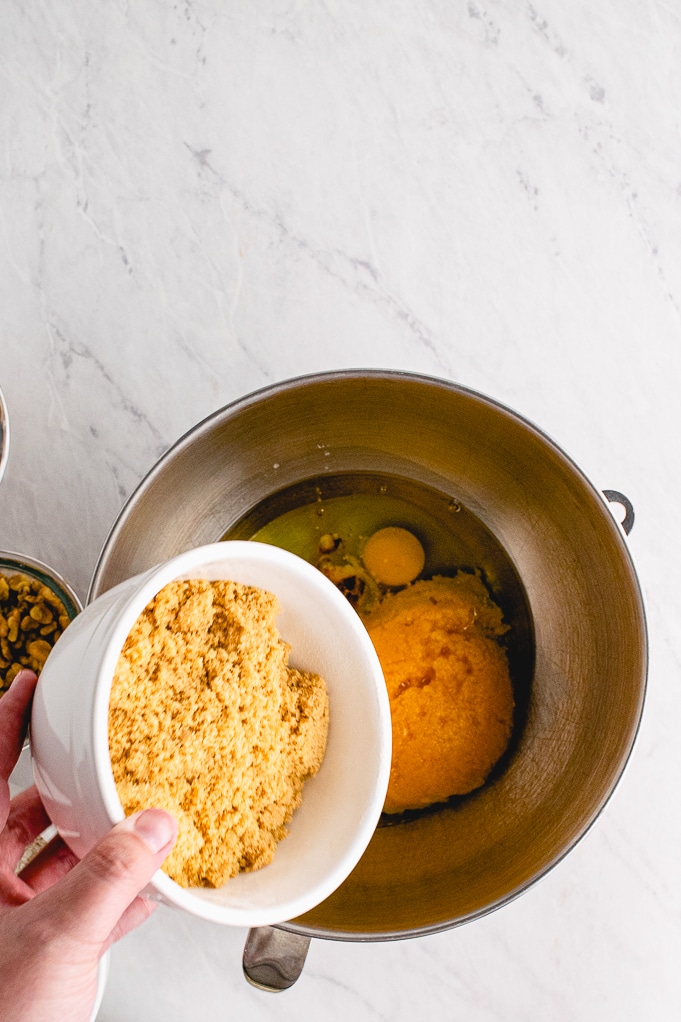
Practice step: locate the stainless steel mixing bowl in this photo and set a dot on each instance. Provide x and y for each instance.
(590, 649)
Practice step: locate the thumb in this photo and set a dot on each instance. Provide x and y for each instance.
(91, 899)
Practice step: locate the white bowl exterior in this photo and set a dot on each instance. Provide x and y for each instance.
(341, 804)
(102, 977)
(63, 743)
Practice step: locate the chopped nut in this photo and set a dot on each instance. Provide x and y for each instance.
(38, 648)
(48, 596)
(40, 612)
(13, 625)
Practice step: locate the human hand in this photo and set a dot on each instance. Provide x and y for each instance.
(58, 916)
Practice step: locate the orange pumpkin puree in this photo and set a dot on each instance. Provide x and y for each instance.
(449, 686)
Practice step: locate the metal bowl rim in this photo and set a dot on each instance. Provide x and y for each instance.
(4, 434)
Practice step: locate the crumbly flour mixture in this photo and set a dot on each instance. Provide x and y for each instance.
(208, 721)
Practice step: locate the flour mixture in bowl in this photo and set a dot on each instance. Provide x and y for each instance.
(208, 721)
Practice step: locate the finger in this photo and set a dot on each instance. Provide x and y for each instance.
(27, 819)
(52, 863)
(136, 912)
(15, 710)
(92, 898)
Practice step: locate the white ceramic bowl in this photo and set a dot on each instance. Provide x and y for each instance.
(341, 804)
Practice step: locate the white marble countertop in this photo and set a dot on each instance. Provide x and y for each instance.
(200, 197)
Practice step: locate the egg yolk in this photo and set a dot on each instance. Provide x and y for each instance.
(394, 556)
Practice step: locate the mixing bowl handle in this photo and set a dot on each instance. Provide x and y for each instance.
(615, 497)
(273, 958)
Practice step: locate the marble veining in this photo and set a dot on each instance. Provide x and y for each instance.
(201, 197)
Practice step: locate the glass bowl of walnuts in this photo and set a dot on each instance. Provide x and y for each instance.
(36, 605)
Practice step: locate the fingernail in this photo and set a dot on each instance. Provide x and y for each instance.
(156, 828)
(24, 673)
